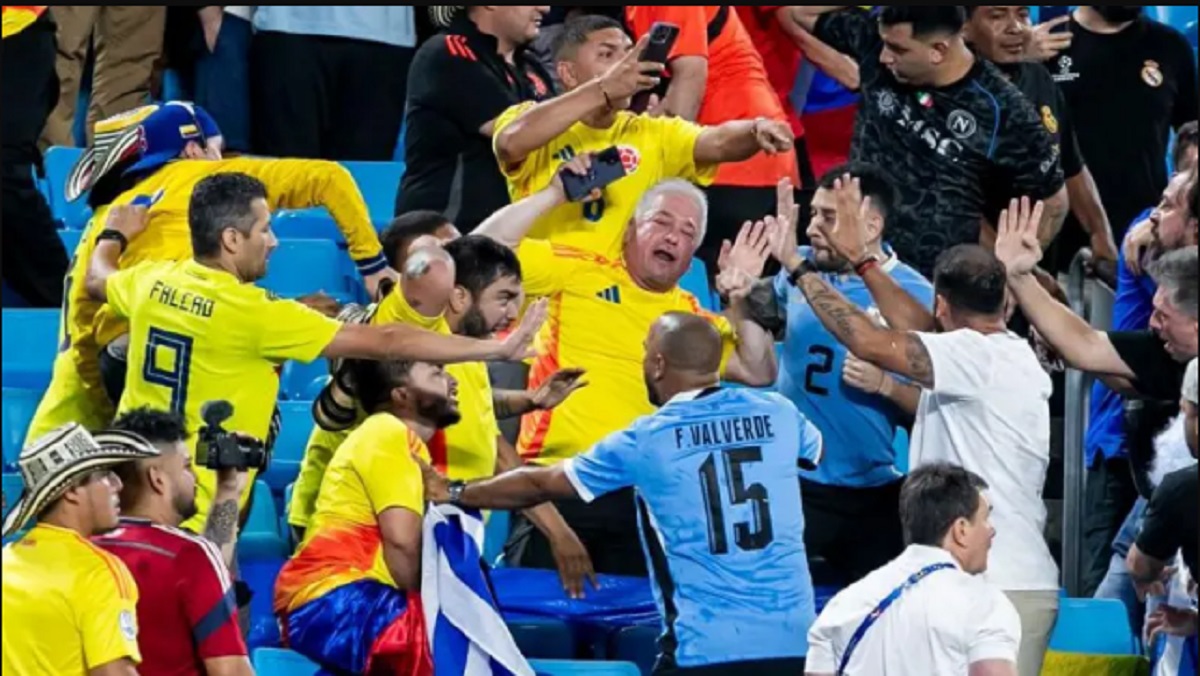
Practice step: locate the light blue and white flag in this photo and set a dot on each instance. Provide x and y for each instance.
(467, 634)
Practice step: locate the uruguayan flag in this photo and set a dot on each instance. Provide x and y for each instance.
(467, 635)
(1175, 655)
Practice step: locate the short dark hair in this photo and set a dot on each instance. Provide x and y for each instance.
(373, 381)
(219, 202)
(971, 279)
(155, 426)
(1178, 275)
(933, 497)
(407, 227)
(926, 20)
(480, 261)
(1187, 137)
(576, 31)
(875, 183)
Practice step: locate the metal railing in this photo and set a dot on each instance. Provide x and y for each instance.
(1093, 301)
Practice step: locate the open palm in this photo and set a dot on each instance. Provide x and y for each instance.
(1017, 244)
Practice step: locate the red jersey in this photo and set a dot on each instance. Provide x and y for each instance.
(737, 88)
(186, 608)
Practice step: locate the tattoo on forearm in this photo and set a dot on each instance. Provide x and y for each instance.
(222, 523)
(920, 368)
(843, 319)
(509, 404)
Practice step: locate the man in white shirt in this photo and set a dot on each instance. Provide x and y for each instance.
(928, 611)
(981, 397)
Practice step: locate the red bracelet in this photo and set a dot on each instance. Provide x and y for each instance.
(861, 268)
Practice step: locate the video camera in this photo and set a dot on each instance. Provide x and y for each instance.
(228, 450)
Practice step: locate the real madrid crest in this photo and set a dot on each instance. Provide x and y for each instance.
(1049, 120)
(1152, 74)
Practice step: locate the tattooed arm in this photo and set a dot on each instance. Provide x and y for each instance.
(896, 351)
(222, 526)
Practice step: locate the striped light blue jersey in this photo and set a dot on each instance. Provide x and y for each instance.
(858, 427)
(717, 480)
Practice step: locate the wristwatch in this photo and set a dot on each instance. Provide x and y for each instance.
(114, 235)
(454, 492)
(804, 268)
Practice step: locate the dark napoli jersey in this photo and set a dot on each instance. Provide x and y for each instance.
(942, 146)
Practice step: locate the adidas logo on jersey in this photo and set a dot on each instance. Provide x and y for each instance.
(612, 294)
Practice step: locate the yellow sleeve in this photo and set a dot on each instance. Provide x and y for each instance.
(106, 611)
(545, 267)
(322, 444)
(520, 174)
(289, 330)
(388, 473)
(678, 143)
(122, 286)
(300, 184)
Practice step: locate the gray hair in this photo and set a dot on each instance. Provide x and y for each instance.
(675, 186)
(1178, 274)
(1189, 384)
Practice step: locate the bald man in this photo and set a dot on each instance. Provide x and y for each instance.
(716, 472)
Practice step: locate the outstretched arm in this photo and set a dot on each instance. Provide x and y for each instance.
(128, 220)
(739, 140)
(511, 224)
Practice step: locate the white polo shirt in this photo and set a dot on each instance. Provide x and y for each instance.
(989, 412)
(941, 625)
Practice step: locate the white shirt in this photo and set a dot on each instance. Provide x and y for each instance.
(941, 625)
(989, 412)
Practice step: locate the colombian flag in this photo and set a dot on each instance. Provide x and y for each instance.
(19, 17)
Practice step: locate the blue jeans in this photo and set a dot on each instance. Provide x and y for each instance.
(1117, 583)
(223, 81)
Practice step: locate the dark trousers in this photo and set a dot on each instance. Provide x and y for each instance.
(792, 666)
(1109, 496)
(607, 528)
(34, 258)
(327, 98)
(223, 80)
(854, 530)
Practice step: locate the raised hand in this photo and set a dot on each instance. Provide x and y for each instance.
(784, 245)
(749, 252)
(1043, 44)
(128, 219)
(1017, 244)
(579, 165)
(518, 345)
(848, 235)
(773, 136)
(555, 389)
(734, 284)
(629, 75)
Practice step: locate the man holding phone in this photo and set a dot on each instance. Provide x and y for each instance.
(601, 71)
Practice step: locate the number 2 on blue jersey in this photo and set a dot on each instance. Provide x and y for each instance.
(746, 538)
(179, 349)
(822, 364)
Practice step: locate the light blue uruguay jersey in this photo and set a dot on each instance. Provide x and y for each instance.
(717, 481)
(858, 427)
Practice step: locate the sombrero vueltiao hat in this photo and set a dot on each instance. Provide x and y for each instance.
(54, 463)
(443, 15)
(156, 134)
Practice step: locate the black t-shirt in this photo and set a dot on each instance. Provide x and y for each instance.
(1126, 91)
(942, 145)
(1157, 374)
(1034, 81)
(1171, 520)
(457, 84)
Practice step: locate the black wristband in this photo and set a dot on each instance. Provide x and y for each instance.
(804, 268)
(115, 236)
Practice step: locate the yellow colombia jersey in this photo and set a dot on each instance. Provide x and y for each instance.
(466, 450)
(197, 334)
(652, 149)
(17, 18)
(69, 606)
(599, 318)
(372, 472)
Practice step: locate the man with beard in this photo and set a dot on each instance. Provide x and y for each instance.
(187, 615)
(1128, 80)
(349, 599)
(714, 470)
(851, 500)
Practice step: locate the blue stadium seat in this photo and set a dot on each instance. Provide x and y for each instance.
(306, 224)
(58, 162)
(29, 344)
(303, 266)
(18, 408)
(13, 485)
(303, 382)
(289, 447)
(695, 282)
(495, 534)
(285, 529)
(638, 644)
(263, 517)
(541, 637)
(1093, 627)
(70, 240)
(280, 662)
(260, 557)
(378, 182)
(583, 668)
